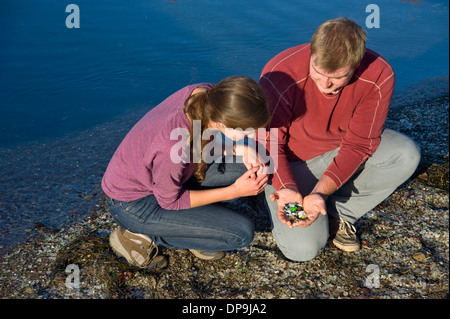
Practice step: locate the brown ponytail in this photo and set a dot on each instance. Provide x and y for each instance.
(237, 102)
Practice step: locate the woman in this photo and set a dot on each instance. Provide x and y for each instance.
(159, 197)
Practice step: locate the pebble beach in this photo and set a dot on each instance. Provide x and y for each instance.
(404, 253)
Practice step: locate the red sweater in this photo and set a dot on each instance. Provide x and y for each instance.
(311, 123)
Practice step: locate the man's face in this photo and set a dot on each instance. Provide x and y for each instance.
(329, 83)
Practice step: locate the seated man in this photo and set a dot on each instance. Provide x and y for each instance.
(329, 100)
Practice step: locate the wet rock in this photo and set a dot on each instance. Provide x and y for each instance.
(419, 256)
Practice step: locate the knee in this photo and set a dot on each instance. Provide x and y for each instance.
(302, 244)
(247, 235)
(243, 234)
(303, 251)
(409, 156)
(406, 153)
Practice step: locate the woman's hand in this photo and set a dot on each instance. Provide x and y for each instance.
(250, 183)
(247, 185)
(250, 158)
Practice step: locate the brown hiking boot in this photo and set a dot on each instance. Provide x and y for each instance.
(138, 249)
(344, 235)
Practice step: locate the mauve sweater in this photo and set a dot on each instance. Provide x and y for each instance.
(311, 123)
(142, 165)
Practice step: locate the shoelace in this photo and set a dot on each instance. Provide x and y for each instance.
(347, 228)
(152, 252)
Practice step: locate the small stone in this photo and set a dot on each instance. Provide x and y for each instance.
(419, 256)
(29, 290)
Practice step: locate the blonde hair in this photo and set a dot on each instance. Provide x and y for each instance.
(338, 43)
(236, 102)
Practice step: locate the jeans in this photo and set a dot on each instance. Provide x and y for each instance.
(394, 161)
(211, 227)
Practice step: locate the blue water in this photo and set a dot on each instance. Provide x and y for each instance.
(68, 96)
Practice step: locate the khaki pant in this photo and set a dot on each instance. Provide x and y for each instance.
(395, 160)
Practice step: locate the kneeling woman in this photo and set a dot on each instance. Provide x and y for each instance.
(147, 190)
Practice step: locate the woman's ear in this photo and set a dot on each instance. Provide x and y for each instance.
(217, 125)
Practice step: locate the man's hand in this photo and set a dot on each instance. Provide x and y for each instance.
(283, 196)
(313, 204)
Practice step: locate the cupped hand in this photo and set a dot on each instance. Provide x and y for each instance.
(313, 204)
(284, 196)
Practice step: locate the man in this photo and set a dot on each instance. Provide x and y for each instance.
(329, 100)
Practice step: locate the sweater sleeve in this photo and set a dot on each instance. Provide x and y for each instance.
(363, 135)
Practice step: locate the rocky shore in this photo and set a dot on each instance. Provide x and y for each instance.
(405, 247)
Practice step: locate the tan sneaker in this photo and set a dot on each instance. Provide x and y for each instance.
(208, 255)
(345, 238)
(138, 249)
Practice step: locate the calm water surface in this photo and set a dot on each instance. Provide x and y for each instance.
(68, 96)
